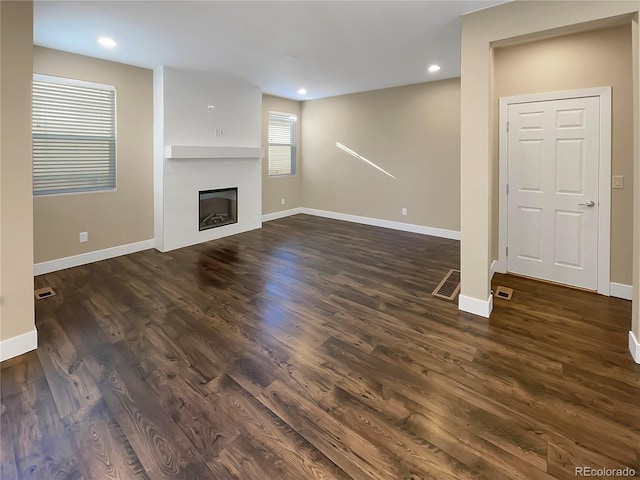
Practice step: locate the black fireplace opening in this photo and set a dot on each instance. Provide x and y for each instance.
(217, 208)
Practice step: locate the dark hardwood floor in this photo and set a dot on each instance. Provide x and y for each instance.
(313, 349)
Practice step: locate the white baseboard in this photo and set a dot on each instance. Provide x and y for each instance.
(634, 347)
(620, 290)
(281, 214)
(90, 257)
(12, 347)
(500, 267)
(482, 308)
(494, 268)
(376, 222)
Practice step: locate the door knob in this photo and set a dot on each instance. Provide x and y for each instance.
(590, 203)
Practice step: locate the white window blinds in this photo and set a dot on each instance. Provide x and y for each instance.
(282, 143)
(74, 136)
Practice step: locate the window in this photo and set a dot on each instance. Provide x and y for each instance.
(74, 136)
(282, 143)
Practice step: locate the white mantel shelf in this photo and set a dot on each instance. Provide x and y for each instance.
(188, 151)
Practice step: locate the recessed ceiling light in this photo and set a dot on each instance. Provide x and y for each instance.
(302, 91)
(434, 68)
(107, 42)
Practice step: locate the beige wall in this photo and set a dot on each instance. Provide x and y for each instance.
(274, 189)
(111, 218)
(589, 59)
(16, 205)
(412, 132)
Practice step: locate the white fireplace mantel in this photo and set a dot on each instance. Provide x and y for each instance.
(177, 152)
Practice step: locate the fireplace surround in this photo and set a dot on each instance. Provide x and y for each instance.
(190, 158)
(217, 208)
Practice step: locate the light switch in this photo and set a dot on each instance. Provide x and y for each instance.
(617, 181)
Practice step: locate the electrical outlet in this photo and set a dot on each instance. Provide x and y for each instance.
(282, 201)
(617, 181)
(84, 237)
(404, 211)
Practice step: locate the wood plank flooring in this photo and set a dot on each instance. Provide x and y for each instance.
(313, 349)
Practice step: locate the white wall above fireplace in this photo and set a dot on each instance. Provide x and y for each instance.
(191, 108)
(212, 152)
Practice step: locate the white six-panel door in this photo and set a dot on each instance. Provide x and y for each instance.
(552, 200)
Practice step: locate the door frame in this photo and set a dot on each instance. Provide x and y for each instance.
(604, 175)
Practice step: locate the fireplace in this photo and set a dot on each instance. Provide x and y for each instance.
(217, 208)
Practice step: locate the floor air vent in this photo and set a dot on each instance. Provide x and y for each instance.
(44, 293)
(504, 292)
(449, 286)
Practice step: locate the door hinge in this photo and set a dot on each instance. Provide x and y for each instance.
(507, 126)
(507, 249)
(507, 189)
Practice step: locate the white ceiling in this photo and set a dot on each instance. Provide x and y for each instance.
(329, 48)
